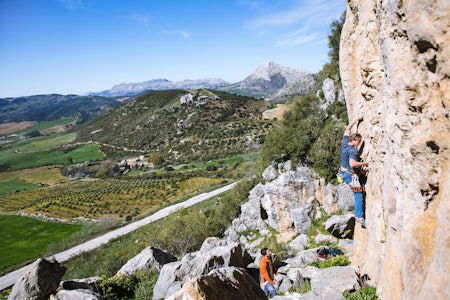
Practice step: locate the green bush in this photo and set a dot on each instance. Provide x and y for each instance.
(147, 281)
(306, 287)
(299, 129)
(368, 293)
(335, 261)
(118, 287)
(4, 294)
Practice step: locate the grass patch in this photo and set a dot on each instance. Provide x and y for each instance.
(212, 165)
(25, 239)
(41, 175)
(46, 142)
(367, 293)
(18, 161)
(271, 243)
(306, 287)
(318, 227)
(335, 261)
(16, 185)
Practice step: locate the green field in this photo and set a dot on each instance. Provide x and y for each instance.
(45, 142)
(17, 161)
(25, 239)
(15, 185)
(43, 175)
(45, 125)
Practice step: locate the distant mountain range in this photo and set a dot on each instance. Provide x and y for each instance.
(270, 81)
(131, 89)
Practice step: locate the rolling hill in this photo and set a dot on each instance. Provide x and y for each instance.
(52, 107)
(180, 126)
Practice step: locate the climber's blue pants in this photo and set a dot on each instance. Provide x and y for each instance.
(357, 196)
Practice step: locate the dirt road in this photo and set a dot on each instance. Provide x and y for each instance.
(10, 278)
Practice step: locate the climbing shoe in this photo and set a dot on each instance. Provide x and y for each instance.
(363, 223)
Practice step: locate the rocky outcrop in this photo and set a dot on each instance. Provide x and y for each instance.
(394, 62)
(39, 282)
(213, 254)
(334, 279)
(341, 227)
(275, 82)
(288, 200)
(331, 92)
(81, 294)
(150, 258)
(225, 283)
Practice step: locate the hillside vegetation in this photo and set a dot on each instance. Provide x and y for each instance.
(53, 107)
(208, 125)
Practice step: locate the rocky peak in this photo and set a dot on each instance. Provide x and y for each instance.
(276, 82)
(267, 70)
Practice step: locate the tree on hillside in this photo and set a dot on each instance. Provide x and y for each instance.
(299, 129)
(309, 132)
(331, 69)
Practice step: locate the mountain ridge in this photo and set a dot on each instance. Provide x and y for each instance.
(130, 89)
(277, 82)
(270, 81)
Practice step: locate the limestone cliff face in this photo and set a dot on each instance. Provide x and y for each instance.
(395, 68)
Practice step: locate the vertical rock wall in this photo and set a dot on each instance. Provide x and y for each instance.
(395, 68)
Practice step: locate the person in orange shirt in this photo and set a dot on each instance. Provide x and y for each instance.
(267, 273)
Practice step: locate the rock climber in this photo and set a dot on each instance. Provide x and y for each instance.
(351, 165)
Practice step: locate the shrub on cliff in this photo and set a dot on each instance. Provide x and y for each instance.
(308, 134)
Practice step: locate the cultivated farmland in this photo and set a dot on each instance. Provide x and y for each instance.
(97, 198)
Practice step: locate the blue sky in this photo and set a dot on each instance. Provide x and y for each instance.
(80, 46)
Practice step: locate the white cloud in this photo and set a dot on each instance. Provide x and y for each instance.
(141, 19)
(317, 12)
(297, 39)
(183, 34)
(313, 17)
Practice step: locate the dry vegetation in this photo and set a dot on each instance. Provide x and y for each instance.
(14, 126)
(59, 128)
(275, 113)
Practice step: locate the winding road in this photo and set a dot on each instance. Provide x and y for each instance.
(10, 278)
